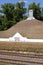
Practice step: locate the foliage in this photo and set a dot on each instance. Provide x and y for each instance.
(25, 17)
(20, 10)
(13, 13)
(8, 10)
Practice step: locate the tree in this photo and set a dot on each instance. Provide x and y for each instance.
(12, 13)
(36, 10)
(42, 11)
(20, 10)
(8, 10)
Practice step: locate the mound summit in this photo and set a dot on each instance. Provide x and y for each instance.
(27, 28)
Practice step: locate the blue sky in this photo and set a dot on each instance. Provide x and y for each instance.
(26, 1)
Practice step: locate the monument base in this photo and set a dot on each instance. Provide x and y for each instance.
(30, 18)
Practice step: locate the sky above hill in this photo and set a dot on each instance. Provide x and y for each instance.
(26, 1)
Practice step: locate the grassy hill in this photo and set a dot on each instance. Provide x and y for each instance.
(27, 28)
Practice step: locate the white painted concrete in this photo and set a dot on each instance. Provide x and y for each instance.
(19, 38)
(30, 15)
(4, 39)
(30, 18)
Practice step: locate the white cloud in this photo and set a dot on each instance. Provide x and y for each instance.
(24, 1)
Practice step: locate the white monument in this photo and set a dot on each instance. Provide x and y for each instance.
(18, 38)
(30, 15)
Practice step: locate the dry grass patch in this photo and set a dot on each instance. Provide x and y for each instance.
(32, 29)
(14, 46)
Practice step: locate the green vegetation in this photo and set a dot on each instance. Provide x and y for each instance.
(2, 64)
(11, 64)
(10, 13)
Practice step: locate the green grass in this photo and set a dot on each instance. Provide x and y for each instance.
(11, 64)
(2, 64)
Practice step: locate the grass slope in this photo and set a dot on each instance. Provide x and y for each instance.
(31, 29)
